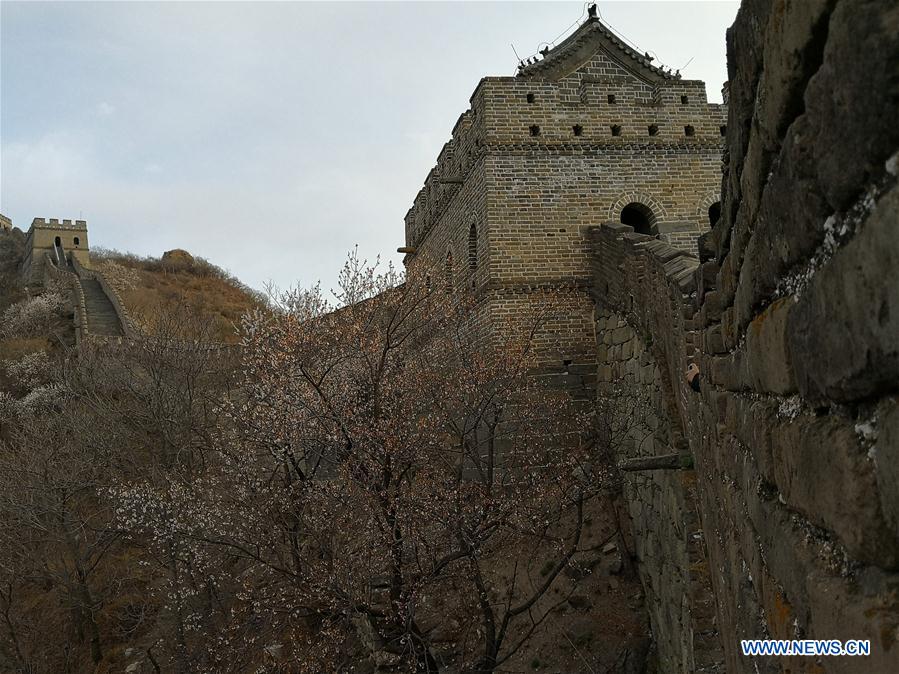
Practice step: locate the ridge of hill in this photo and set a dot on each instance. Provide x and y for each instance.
(151, 286)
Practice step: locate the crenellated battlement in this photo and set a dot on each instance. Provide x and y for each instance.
(454, 162)
(55, 223)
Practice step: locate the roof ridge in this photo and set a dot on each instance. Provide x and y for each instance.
(569, 45)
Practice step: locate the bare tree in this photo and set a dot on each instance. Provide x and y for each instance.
(389, 474)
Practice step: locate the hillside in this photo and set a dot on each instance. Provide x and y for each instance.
(151, 287)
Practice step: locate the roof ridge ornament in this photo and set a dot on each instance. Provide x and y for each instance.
(594, 31)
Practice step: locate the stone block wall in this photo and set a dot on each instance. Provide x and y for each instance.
(801, 332)
(76, 295)
(635, 421)
(794, 321)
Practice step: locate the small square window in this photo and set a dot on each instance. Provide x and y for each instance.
(611, 99)
(535, 130)
(578, 129)
(616, 130)
(684, 100)
(531, 98)
(689, 130)
(653, 129)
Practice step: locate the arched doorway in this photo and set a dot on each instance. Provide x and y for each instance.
(639, 216)
(714, 213)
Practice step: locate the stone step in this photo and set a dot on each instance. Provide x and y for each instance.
(101, 315)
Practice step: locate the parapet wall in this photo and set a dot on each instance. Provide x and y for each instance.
(76, 297)
(794, 321)
(643, 291)
(117, 304)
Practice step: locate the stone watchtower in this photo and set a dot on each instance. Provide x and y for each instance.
(592, 132)
(61, 240)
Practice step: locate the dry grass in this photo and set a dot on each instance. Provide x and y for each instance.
(15, 348)
(178, 279)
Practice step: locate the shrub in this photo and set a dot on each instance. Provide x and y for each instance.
(34, 316)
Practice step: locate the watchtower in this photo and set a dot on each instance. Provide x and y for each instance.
(585, 133)
(61, 240)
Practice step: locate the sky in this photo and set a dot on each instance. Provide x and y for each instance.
(271, 138)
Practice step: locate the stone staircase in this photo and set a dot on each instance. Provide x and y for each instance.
(101, 315)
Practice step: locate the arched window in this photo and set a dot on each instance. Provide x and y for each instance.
(714, 213)
(57, 241)
(77, 241)
(639, 216)
(473, 247)
(448, 272)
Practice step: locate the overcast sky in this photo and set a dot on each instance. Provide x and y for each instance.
(270, 137)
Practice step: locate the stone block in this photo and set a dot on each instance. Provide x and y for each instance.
(839, 609)
(729, 332)
(753, 422)
(822, 471)
(726, 283)
(884, 454)
(767, 352)
(621, 335)
(713, 341)
(844, 331)
(728, 371)
(851, 101)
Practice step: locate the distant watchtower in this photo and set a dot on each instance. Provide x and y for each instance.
(590, 132)
(61, 240)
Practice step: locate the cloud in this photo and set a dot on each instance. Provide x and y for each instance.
(105, 109)
(254, 142)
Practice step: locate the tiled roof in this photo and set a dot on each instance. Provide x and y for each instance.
(592, 36)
